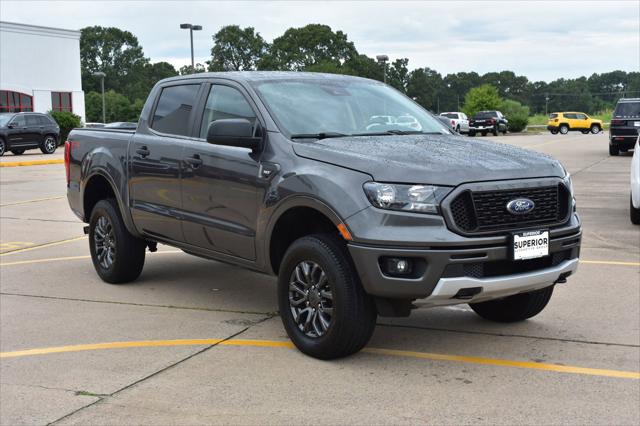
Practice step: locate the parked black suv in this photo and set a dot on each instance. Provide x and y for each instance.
(488, 121)
(625, 125)
(28, 130)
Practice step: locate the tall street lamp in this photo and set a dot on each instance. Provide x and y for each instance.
(102, 75)
(382, 60)
(192, 28)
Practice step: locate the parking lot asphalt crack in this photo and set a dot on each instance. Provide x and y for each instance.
(148, 305)
(486, 333)
(158, 372)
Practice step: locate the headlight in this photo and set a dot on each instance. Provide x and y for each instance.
(568, 183)
(413, 198)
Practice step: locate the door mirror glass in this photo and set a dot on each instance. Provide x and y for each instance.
(234, 132)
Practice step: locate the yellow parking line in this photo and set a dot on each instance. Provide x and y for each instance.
(59, 259)
(55, 243)
(610, 262)
(30, 163)
(31, 201)
(285, 344)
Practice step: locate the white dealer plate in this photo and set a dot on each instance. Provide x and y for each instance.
(529, 245)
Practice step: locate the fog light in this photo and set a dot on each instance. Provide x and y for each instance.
(398, 266)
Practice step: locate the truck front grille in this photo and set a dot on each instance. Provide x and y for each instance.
(482, 211)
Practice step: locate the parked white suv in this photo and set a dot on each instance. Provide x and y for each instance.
(459, 121)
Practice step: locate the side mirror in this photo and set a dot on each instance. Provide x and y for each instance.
(233, 132)
(10, 126)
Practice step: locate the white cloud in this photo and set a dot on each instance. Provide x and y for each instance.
(542, 40)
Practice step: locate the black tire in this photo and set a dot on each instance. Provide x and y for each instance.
(564, 129)
(3, 147)
(458, 128)
(128, 259)
(518, 307)
(613, 150)
(595, 129)
(554, 131)
(49, 144)
(17, 151)
(472, 133)
(495, 130)
(634, 214)
(353, 313)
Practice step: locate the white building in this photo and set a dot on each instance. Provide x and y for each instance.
(40, 69)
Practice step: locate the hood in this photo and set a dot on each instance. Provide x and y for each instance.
(431, 159)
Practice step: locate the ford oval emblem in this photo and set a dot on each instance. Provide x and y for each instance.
(520, 206)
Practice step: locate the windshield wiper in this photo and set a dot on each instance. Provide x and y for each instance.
(397, 132)
(321, 135)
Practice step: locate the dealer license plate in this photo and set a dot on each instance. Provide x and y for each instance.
(530, 245)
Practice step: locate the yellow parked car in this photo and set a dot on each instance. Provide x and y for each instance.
(564, 122)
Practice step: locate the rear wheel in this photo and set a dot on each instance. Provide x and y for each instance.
(514, 308)
(595, 129)
(554, 131)
(49, 145)
(564, 129)
(17, 151)
(458, 128)
(613, 150)
(117, 256)
(323, 307)
(634, 213)
(495, 130)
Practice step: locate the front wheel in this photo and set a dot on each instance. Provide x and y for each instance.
(613, 150)
(634, 213)
(518, 307)
(49, 145)
(118, 256)
(3, 147)
(323, 307)
(595, 129)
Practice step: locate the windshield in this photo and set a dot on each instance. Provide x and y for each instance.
(627, 109)
(344, 107)
(4, 119)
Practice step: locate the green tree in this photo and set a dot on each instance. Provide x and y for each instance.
(299, 48)
(118, 107)
(187, 70)
(236, 49)
(398, 74)
(425, 86)
(481, 98)
(516, 113)
(113, 51)
(363, 66)
(67, 121)
(144, 77)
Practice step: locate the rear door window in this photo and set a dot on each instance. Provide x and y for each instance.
(174, 109)
(32, 121)
(553, 115)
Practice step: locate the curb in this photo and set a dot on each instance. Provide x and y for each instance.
(31, 163)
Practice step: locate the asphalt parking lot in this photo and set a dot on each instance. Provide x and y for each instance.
(195, 341)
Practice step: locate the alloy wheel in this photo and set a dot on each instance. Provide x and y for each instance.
(310, 299)
(104, 242)
(49, 144)
(2, 147)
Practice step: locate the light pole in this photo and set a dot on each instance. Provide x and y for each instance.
(191, 28)
(102, 76)
(382, 60)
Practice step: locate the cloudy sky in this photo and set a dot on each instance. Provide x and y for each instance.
(542, 40)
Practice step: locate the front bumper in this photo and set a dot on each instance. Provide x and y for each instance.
(441, 271)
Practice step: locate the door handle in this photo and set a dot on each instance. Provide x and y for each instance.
(143, 151)
(195, 161)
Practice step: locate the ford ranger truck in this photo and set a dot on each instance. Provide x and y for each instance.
(294, 174)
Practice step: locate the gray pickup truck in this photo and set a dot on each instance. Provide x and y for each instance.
(297, 175)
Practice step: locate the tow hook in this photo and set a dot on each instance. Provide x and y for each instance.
(562, 279)
(153, 246)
